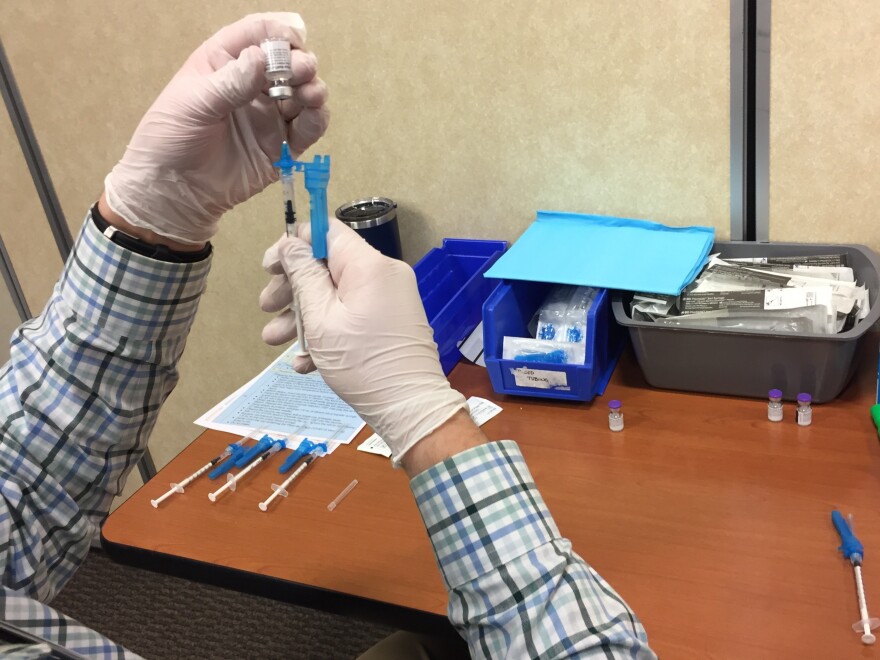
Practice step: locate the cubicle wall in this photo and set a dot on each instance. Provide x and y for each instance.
(825, 122)
(472, 115)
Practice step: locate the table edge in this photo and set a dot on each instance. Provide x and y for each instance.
(340, 603)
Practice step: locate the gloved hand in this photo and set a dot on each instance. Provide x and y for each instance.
(209, 140)
(367, 333)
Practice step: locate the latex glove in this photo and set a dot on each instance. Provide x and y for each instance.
(367, 333)
(209, 140)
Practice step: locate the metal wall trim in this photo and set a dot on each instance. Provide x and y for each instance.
(46, 191)
(738, 178)
(13, 285)
(750, 120)
(34, 157)
(762, 120)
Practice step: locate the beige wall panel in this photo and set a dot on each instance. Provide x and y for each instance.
(472, 115)
(23, 223)
(825, 122)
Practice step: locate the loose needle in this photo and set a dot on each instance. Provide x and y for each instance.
(342, 495)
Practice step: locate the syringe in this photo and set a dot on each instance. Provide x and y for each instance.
(232, 479)
(285, 166)
(307, 447)
(282, 489)
(853, 550)
(178, 488)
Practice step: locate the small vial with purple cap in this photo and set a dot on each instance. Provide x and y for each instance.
(615, 416)
(804, 409)
(774, 407)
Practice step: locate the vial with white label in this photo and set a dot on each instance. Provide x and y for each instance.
(804, 409)
(774, 407)
(278, 67)
(615, 416)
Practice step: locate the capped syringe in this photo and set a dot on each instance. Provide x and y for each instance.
(285, 166)
(178, 488)
(307, 447)
(852, 549)
(232, 479)
(319, 450)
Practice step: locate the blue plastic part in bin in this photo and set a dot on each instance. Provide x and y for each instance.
(453, 290)
(507, 313)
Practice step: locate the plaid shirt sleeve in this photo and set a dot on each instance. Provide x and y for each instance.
(78, 400)
(516, 588)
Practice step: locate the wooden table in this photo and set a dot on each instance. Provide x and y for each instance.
(712, 522)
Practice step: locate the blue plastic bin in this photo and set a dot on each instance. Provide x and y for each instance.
(507, 313)
(453, 290)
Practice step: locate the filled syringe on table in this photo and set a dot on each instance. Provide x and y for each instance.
(226, 453)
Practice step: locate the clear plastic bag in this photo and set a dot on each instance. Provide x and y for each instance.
(812, 319)
(563, 314)
(527, 349)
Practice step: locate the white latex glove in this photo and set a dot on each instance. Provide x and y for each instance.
(367, 333)
(209, 140)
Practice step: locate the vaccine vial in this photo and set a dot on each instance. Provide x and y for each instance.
(615, 416)
(774, 408)
(804, 409)
(278, 67)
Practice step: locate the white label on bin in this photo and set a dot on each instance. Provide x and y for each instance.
(540, 379)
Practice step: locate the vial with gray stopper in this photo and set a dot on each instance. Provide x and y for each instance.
(615, 416)
(774, 407)
(804, 409)
(278, 67)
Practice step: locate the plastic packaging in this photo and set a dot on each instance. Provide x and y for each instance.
(563, 314)
(508, 312)
(551, 314)
(526, 349)
(813, 319)
(774, 406)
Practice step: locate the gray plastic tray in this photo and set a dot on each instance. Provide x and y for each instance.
(751, 362)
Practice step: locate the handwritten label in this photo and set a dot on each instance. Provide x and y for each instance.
(540, 379)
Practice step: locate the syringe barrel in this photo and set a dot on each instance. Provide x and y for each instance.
(289, 203)
(286, 184)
